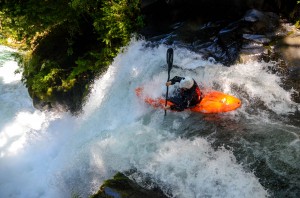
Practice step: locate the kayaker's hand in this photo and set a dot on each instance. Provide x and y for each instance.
(168, 83)
(167, 107)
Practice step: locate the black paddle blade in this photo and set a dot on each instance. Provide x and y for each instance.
(170, 65)
(170, 59)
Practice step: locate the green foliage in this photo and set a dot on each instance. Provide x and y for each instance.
(297, 13)
(89, 34)
(75, 195)
(22, 20)
(117, 22)
(297, 24)
(120, 184)
(42, 82)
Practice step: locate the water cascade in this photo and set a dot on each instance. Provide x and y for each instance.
(250, 152)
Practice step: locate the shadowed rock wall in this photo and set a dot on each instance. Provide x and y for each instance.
(161, 12)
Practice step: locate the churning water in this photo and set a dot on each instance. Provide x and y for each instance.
(251, 152)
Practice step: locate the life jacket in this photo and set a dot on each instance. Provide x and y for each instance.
(187, 98)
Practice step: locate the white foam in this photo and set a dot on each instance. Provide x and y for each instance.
(56, 154)
(7, 72)
(186, 168)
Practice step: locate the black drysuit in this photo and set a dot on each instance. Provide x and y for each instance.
(184, 98)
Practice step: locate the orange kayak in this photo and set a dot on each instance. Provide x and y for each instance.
(212, 102)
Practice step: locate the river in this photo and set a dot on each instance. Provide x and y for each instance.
(251, 152)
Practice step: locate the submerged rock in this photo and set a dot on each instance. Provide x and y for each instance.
(122, 187)
(294, 72)
(257, 38)
(227, 41)
(261, 22)
(289, 48)
(256, 35)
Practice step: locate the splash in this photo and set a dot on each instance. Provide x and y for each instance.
(50, 154)
(184, 168)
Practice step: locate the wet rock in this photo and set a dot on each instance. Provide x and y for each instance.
(147, 3)
(229, 40)
(41, 105)
(294, 72)
(251, 54)
(261, 22)
(289, 49)
(257, 38)
(257, 32)
(122, 187)
(221, 7)
(244, 37)
(253, 48)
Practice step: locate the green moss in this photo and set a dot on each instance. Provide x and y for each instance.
(119, 183)
(122, 187)
(295, 15)
(69, 42)
(297, 24)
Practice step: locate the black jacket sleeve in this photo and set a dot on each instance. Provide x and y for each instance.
(189, 98)
(176, 79)
(177, 108)
(184, 102)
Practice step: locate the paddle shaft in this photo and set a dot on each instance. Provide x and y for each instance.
(170, 65)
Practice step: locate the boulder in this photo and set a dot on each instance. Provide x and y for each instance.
(261, 22)
(121, 186)
(147, 3)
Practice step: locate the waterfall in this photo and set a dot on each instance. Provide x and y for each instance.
(55, 154)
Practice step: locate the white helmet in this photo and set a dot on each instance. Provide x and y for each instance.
(187, 83)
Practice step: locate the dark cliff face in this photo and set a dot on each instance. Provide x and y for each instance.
(228, 31)
(236, 5)
(214, 29)
(161, 13)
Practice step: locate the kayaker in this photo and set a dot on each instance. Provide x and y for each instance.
(188, 94)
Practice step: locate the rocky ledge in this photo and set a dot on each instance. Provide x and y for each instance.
(122, 186)
(248, 35)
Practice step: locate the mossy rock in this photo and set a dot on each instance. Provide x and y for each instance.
(54, 58)
(122, 187)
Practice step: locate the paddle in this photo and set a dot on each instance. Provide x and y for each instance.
(170, 65)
